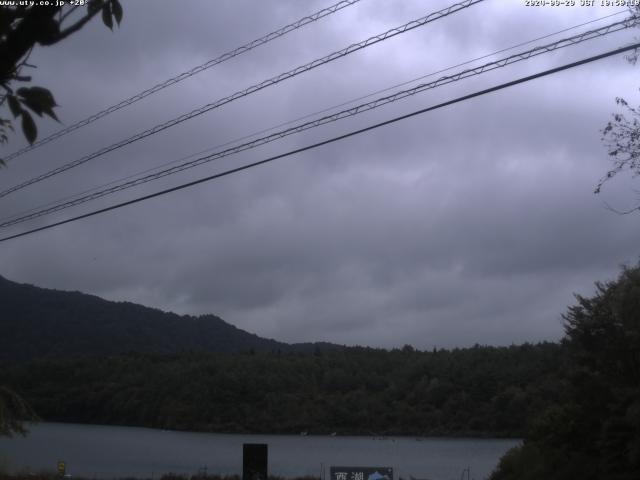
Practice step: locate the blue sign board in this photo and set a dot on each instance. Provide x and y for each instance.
(361, 473)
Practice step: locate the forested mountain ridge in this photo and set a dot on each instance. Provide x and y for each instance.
(79, 358)
(43, 323)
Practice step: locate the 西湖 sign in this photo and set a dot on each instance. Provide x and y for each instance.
(361, 473)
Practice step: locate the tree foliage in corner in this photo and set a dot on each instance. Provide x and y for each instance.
(622, 138)
(621, 135)
(23, 27)
(13, 411)
(595, 433)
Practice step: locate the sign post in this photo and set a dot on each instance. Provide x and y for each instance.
(254, 461)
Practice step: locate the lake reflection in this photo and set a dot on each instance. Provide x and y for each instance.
(108, 452)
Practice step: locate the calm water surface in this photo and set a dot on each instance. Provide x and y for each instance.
(108, 452)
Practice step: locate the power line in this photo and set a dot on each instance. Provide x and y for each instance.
(309, 115)
(184, 75)
(576, 39)
(254, 88)
(331, 140)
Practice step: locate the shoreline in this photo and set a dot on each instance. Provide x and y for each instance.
(372, 435)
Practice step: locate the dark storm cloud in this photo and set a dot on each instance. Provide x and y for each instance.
(474, 223)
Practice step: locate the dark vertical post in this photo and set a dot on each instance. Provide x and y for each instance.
(254, 461)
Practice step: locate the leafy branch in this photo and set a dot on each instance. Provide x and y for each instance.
(21, 29)
(13, 412)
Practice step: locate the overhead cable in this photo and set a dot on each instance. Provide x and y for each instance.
(254, 88)
(184, 75)
(487, 67)
(304, 117)
(330, 140)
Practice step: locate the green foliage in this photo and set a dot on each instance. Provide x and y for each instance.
(111, 10)
(29, 127)
(22, 27)
(68, 353)
(13, 412)
(595, 432)
(116, 10)
(480, 391)
(38, 99)
(621, 135)
(5, 127)
(4, 466)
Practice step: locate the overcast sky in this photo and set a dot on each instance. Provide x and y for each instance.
(470, 224)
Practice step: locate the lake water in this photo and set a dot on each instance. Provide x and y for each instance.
(110, 452)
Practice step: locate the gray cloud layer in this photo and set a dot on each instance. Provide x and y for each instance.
(474, 223)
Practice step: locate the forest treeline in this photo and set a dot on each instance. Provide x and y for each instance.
(479, 391)
(576, 403)
(594, 432)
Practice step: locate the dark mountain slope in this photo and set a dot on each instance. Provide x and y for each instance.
(42, 323)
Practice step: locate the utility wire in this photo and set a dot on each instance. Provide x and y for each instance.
(254, 88)
(289, 122)
(304, 117)
(576, 39)
(332, 140)
(184, 75)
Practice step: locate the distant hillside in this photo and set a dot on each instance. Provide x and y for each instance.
(53, 346)
(43, 323)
